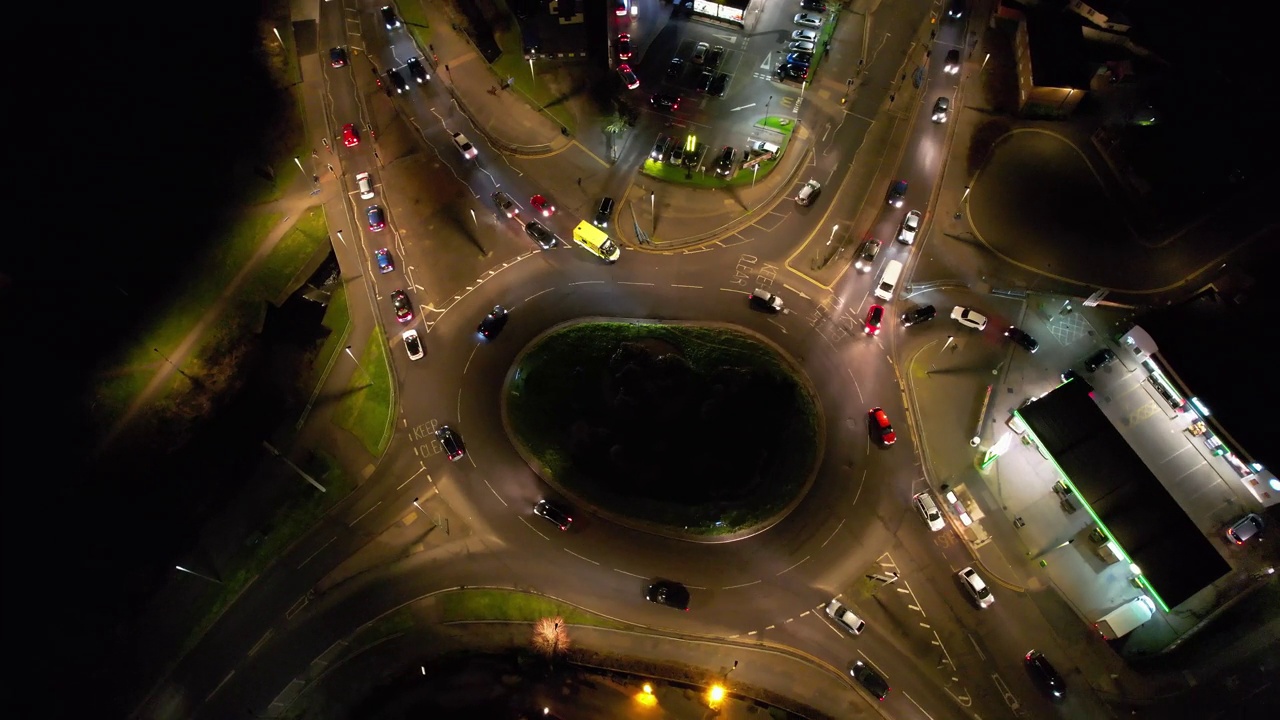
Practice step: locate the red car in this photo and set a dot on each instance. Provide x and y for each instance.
(350, 136)
(404, 309)
(874, 315)
(881, 427)
(628, 77)
(543, 205)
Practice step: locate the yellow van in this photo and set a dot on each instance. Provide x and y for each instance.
(597, 241)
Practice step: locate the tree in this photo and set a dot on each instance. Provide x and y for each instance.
(550, 636)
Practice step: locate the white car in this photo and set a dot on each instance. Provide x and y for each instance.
(969, 317)
(845, 617)
(929, 511)
(365, 185)
(910, 226)
(808, 20)
(800, 46)
(412, 344)
(700, 52)
(977, 588)
(804, 35)
(464, 146)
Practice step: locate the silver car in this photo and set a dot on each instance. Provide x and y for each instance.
(845, 617)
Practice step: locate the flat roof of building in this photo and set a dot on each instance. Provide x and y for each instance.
(1134, 506)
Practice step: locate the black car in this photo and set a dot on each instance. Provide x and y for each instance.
(338, 57)
(718, 85)
(792, 71)
(669, 593)
(675, 68)
(814, 5)
(552, 513)
(956, 10)
(418, 71)
(397, 81)
(870, 679)
(389, 17)
(714, 57)
(918, 315)
(664, 101)
(604, 213)
(1098, 360)
(704, 81)
(1044, 675)
(725, 161)
(493, 323)
(1022, 338)
(452, 442)
(540, 234)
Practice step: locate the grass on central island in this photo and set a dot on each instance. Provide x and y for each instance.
(700, 429)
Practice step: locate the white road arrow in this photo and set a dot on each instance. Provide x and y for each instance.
(742, 107)
(768, 62)
(731, 39)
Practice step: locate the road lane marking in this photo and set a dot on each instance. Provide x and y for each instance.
(624, 282)
(734, 587)
(588, 282)
(696, 287)
(624, 572)
(793, 567)
(593, 562)
(366, 512)
(833, 533)
(526, 300)
(526, 522)
(495, 492)
(317, 552)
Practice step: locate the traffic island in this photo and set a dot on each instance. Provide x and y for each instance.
(694, 431)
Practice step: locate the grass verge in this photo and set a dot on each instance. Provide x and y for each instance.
(516, 606)
(679, 176)
(512, 63)
(290, 522)
(134, 366)
(366, 409)
(337, 319)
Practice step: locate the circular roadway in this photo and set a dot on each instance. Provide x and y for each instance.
(842, 529)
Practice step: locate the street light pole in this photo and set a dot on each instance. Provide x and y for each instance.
(357, 362)
(767, 103)
(531, 75)
(344, 242)
(295, 468)
(653, 212)
(193, 572)
(960, 207)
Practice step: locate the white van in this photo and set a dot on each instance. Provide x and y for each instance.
(1124, 619)
(889, 280)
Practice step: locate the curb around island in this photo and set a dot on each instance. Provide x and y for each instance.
(654, 528)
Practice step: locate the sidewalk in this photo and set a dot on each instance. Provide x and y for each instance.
(508, 121)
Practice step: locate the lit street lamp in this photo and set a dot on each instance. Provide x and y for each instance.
(193, 572)
(354, 360)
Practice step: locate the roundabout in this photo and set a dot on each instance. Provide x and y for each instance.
(747, 457)
(644, 423)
